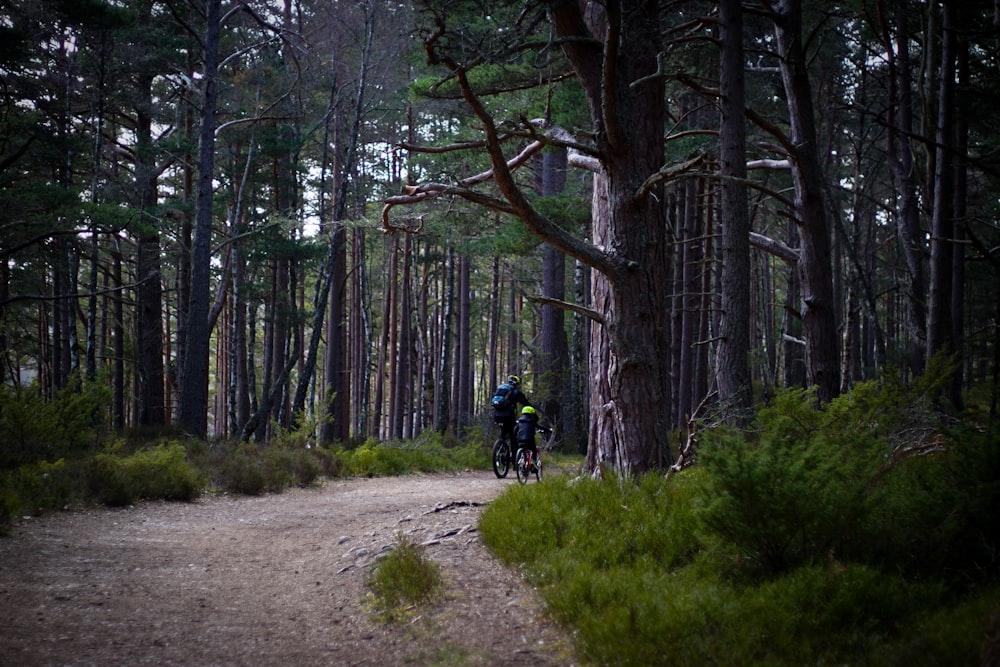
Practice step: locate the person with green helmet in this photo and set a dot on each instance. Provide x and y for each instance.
(525, 429)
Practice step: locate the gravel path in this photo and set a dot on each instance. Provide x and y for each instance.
(271, 580)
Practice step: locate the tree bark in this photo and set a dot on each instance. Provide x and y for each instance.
(732, 360)
(149, 293)
(900, 151)
(554, 349)
(814, 268)
(193, 409)
(940, 336)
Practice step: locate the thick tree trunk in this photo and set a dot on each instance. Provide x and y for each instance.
(463, 351)
(629, 391)
(401, 388)
(629, 397)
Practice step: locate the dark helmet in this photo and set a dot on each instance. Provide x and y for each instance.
(514, 380)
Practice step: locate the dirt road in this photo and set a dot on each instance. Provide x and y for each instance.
(272, 580)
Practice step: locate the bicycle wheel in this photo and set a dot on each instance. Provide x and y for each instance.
(501, 458)
(538, 467)
(521, 466)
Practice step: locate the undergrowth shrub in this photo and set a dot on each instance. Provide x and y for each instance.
(793, 492)
(45, 486)
(936, 513)
(581, 515)
(427, 454)
(161, 473)
(34, 429)
(403, 579)
(863, 533)
(253, 469)
(243, 470)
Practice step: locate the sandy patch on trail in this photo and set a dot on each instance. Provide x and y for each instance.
(268, 580)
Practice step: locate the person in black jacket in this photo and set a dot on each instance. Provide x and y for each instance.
(505, 409)
(525, 430)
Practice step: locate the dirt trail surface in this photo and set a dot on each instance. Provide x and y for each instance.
(271, 580)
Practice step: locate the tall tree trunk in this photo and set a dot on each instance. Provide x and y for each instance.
(940, 335)
(900, 151)
(336, 372)
(462, 403)
(444, 383)
(629, 428)
(579, 406)
(192, 412)
(149, 293)
(360, 337)
(118, 329)
(791, 329)
(403, 383)
(239, 406)
(733, 353)
(690, 288)
(960, 193)
(815, 273)
(555, 348)
(391, 323)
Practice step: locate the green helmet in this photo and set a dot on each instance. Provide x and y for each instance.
(513, 379)
(528, 410)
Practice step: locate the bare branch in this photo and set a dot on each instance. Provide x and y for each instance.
(668, 173)
(579, 155)
(769, 164)
(774, 247)
(566, 305)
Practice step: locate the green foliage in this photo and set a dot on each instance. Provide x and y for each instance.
(791, 494)
(403, 579)
(577, 516)
(253, 469)
(844, 535)
(162, 472)
(34, 429)
(936, 513)
(42, 486)
(429, 454)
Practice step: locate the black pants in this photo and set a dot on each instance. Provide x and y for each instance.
(507, 429)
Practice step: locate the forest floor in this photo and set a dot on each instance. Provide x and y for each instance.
(268, 580)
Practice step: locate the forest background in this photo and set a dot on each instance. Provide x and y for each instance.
(242, 216)
(255, 241)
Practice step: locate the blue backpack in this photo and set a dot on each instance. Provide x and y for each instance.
(502, 399)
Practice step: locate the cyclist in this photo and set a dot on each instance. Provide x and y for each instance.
(508, 397)
(525, 430)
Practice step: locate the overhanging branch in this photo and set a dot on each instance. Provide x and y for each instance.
(566, 305)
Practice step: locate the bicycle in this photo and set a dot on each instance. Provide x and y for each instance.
(525, 463)
(502, 455)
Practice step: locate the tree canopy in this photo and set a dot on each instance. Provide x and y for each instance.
(237, 213)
